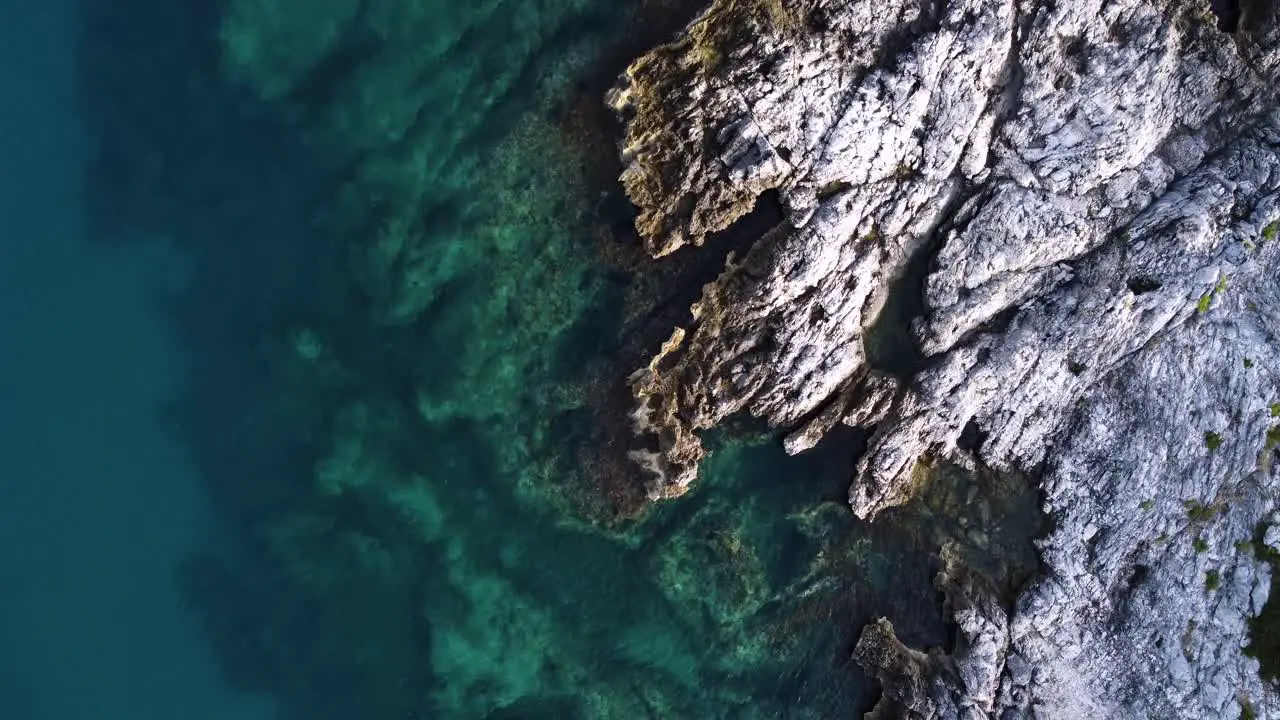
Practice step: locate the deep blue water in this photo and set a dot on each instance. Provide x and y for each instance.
(97, 499)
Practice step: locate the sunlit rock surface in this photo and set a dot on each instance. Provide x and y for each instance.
(1069, 211)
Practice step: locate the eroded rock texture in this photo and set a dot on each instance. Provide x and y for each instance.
(962, 684)
(1095, 187)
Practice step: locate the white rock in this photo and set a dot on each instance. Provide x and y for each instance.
(1081, 172)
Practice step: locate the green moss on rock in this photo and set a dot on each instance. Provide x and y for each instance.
(1198, 512)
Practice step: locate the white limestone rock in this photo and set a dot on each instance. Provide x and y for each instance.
(1098, 186)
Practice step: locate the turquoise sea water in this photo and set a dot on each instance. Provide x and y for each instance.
(314, 322)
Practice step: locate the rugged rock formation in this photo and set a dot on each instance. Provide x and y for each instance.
(1093, 190)
(934, 685)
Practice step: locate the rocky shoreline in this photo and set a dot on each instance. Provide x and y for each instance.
(1093, 190)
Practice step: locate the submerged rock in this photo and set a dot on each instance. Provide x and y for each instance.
(1092, 191)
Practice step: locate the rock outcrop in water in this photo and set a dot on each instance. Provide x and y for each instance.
(1085, 196)
(962, 684)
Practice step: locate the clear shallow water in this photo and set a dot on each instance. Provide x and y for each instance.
(387, 368)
